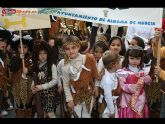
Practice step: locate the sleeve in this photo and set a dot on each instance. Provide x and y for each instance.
(59, 71)
(162, 75)
(53, 82)
(108, 97)
(128, 88)
(147, 79)
(66, 85)
(99, 68)
(154, 49)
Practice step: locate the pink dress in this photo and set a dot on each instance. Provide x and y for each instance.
(133, 103)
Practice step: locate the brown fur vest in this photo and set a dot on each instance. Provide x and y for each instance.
(85, 84)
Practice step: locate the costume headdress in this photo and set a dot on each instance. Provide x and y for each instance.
(26, 40)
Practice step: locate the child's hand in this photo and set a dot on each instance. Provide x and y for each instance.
(25, 70)
(158, 34)
(70, 105)
(22, 56)
(140, 84)
(38, 87)
(157, 70)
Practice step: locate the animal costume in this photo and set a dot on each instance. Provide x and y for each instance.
(78, 74)
(22, 84)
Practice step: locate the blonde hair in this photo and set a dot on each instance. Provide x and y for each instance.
(69, 39)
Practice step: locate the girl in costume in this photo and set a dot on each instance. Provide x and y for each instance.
(78, 73)
(109, 86)
(99, 48)
(46, 79)
(22, 77)
(132, 78)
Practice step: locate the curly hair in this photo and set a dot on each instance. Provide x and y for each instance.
(69, 39)
(42, 46)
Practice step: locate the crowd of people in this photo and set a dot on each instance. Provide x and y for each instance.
(86, 71)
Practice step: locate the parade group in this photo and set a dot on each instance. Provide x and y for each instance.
(78, 69)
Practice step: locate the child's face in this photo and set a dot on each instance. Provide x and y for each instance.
(2, 44)
(25, 49)
(72, 50)
(42, 56)
(115, 46)
(117, 65)
(98, 53)
(51, 42)
(134, 61)
(133, 42)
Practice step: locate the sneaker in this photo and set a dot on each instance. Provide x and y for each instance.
(10, 108)
(4, 113)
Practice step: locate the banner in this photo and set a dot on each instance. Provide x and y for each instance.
(145, 33)
(25, 22)
(144, 17)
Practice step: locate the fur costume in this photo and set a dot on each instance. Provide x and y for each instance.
(84, 86)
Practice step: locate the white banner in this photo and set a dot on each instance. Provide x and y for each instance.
(25, 22)
(144, 17)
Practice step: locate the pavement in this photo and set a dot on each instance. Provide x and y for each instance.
(11, 113)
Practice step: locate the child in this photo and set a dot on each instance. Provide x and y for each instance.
(46, 79)
(115, 44)
(22, 77)
(109, 86)
(78, 73)
(99, 48)
(5, 37)
(132, 78)
(54, 50)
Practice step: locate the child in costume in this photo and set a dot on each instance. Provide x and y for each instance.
(115, 44)
(159, 69)
(46, 79)
(99, 48)
(132, 78)
(110, 89)
(78, 73)
(5, 37)
(22, 76)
